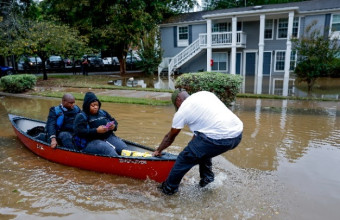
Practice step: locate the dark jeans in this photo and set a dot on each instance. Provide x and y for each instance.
(112, 146)
(65, 139)
(199, 151)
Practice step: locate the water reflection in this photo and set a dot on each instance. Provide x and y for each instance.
(285, 166)
(145, 82)
(324, 88)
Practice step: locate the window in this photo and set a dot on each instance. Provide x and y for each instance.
(221, 27)
(183, 36)
(268, 29)
(225, 27)
(282, 28)
(336, 23)
(220, 62)
(280, 60)
(293, 57)
(295, 32)
(239, 26)
(183, 33)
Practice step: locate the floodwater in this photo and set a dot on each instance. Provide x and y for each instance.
(327, 88)
(286, 167)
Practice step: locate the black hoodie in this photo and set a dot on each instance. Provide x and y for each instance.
(86, 127)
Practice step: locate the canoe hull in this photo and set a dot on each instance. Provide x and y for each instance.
(153, 168)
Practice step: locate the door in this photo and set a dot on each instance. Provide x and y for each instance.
(250, 72)
(238, 63)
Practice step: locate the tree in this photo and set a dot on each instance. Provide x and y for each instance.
(43, 38)
(118, 25)
(150, 52)
(317, 55)
(223, 4)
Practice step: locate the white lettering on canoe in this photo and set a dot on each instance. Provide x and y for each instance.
(132, 161)
(40, 147)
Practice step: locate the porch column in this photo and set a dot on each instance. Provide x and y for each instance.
(260, 62)
(287, 56)
(209, 50)
(233, 45)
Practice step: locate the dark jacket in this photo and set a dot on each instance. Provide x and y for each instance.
(86, 127)
(69, 116)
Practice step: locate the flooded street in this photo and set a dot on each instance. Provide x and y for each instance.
(286, 167)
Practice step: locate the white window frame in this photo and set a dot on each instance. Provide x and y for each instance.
(296, 19)
(271, 62)
(334, 34)
(293, 61)
(215, 27)
(276, 52)
(227, 63)
(272, 29)
(182, 42)
(277, 29)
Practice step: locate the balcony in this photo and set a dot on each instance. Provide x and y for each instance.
(223, 39)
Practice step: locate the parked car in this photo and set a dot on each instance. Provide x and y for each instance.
(95, 62)
(6, 70)
(131, 62)
(29, 63)
(69, 62)
(55, 62)
(111, 61)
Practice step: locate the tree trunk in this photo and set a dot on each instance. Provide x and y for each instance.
(44, 68)
(122, 66)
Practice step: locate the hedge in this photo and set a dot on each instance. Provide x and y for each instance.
(18, 83)
(224, 86)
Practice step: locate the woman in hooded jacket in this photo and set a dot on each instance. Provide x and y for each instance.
(96, 126)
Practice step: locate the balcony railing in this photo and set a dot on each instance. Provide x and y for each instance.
(223, 39)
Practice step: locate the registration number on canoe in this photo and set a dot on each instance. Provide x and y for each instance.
(133, 161)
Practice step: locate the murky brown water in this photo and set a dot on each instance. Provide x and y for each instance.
(286, 167)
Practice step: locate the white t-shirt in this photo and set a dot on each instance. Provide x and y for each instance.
(205, 112)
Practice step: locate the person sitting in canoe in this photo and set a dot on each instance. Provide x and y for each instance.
(59, 126)
(94, 129)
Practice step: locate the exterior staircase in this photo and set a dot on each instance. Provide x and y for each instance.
(218, 40)
(182, 57)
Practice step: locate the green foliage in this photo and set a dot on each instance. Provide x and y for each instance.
(150, 54)
(225, 86)
(18, 83)
(223, 4)
(335, 70)
(317, 55)
(114, 25)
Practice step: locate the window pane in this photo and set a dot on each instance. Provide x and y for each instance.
(223, 56)
(336, 27)
(183, 36)
(183, 29)
(295, 27)
(239, 26)
(215, 66)
(283, 28)
(223, 66)
(280, 60)
(336, 18)
(183, 33)
(292, 60)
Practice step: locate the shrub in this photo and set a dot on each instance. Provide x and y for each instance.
(224, 86)
(18, 83)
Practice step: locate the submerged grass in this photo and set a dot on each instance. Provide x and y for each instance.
(92, 81)
(101, 82)
(103, 98)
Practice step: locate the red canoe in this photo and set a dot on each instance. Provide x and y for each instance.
(155, 168)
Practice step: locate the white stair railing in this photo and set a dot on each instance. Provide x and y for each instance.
(183, 56)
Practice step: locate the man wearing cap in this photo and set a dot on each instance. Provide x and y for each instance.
(216, 130)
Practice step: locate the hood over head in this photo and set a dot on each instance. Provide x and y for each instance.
(88, 99)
